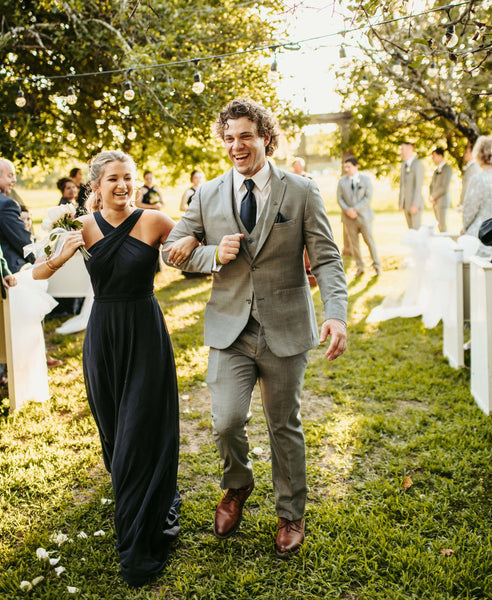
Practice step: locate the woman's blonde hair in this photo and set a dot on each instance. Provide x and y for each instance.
(97, 167)
(482, 150)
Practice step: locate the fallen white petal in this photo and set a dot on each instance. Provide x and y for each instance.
(258, 450)
(99, 533)
(42, 554)
(25, 586)
(59, 538)
(37, 580)
(82, 535)
(54, 561)
(72, 590)
(59, 570)
(185, 397)
(106, 500)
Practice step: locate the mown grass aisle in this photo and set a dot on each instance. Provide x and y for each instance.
(399, 473)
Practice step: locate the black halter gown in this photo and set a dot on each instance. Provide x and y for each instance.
(130, 379)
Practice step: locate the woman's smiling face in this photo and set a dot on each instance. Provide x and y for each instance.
(117, 184)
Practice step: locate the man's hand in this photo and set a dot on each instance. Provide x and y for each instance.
(228, 249)
(351, 213)
(9, 281)
(414, 210)
(181, 249)
(338, 332)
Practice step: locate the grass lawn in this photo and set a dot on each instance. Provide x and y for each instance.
(399, 471)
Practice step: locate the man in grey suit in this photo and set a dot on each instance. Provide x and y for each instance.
(354, 193)
(439, 195)
(260, 321)
(411, 201)
(470, 168)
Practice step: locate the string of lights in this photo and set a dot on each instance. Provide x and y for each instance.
(450, 39)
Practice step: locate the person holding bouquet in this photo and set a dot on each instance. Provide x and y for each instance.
(128, 362)
(149, 195)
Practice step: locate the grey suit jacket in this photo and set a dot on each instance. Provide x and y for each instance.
(411, 180)
(274, 275)
(358, 198)
(439, 185)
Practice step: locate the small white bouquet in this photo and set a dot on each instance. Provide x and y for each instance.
(60, 220)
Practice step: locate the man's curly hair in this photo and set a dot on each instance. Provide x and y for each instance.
(266, 122)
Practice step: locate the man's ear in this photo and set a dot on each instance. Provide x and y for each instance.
(266, 140)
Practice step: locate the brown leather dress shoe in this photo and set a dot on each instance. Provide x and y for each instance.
(230, 511)
(289, 538)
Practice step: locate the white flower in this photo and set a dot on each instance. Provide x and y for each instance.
(59, 570)
(99, 533)
(47, 224)
(25, 586)
(72, 590)
(37, 580)
(54, 561)
(82, 535)
(42, 554)
(106, 500)
(56, 212)
(59, 538)
(258, 451)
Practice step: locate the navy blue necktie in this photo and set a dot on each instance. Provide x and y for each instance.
(248, 206)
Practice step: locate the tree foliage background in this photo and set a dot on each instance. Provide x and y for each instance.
(408, 81)
(43, 41)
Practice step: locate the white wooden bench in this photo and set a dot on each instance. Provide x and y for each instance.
(6, 348)
(481, 332)
(72, 280)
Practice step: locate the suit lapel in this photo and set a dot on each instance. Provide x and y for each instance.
(272, 207)
(227, 201)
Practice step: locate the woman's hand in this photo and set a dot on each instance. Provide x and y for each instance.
(44, 268)
(181, 249)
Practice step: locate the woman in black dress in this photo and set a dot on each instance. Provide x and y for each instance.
(128, 363)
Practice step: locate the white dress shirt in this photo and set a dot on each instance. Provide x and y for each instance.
(261, 191)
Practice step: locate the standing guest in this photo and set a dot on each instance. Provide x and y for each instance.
(299, 167)
(13, 234)
(470, 168)
(411, 201)
(128, 363)
(439, 195)
(260, 321)
(354, 193)
(196, 179)
(83, 190)
(477, 205)
(149, 195)
(68, 190)
(76, 176)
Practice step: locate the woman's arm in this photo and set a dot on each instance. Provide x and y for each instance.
(45, 267)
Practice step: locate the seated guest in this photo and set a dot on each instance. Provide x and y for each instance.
(68, 189)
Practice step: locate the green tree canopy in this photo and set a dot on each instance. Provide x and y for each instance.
(43, 42)
(424, 79)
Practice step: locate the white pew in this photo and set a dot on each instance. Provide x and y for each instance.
(481, 332)
(453, 317)
(71, 280)
(6, 348)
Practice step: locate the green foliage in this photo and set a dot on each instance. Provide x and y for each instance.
(389, 409)
(406, 84)
(172, 124)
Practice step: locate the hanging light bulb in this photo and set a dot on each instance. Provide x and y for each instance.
(198, 85)
(71, 97)
(20, 100)
(450, 39)
(128, 94)
(13, 132)
(132, 134)
(341, 53)
(432, 71)
(71, 135)
(364, 81)
(273, 75)
(397, 68)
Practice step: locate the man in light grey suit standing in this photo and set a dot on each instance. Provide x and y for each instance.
(470, 168)
(354, 193)
(439, 195)
(260, 321)
(411, 201)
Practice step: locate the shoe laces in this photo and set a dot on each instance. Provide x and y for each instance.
(234, 495)
(290, 525)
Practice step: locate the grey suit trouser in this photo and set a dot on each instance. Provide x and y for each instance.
(231, 376)
(440, 212)
(413, 221)
(354, 227)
